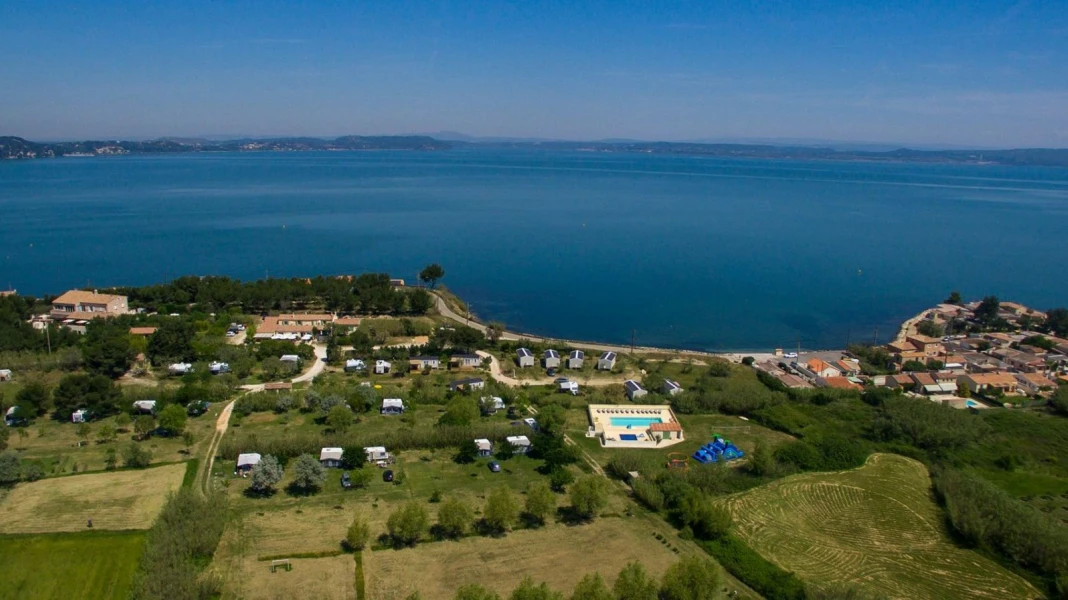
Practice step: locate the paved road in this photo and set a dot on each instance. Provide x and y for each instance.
(448, 313)
(497, 374)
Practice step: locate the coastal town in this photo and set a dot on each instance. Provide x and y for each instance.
(364, 409)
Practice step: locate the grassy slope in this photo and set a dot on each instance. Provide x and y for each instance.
(875, 527)
(90, 565)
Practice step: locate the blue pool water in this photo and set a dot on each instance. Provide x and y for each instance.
(971, 404)
(634, 421)
(628, 437)
(677, 251)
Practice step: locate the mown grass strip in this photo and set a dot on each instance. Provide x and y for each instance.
(320, 554)
(192, 467)
(767, 578)
(361, 592)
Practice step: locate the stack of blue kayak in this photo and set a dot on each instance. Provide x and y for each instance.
(716, 450)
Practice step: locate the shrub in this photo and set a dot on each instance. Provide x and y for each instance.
(308, 474)
(358, 534)
(589, 495)
(134, 456)
(648, 493)
(692, 578)
(540, 501)
(266, 474)
(502, 510)
(408, 524)
(454, 518)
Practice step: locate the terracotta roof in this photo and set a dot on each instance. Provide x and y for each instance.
(271, 325)
(670, 426)
(918, 338)
(993, 378)
(847, 366)
(348, 321)
(840, 383)
(83, 297)
(902, 346)
(903, 379)
(923, 378)
(306, 317)
(142, 330)
(1037, 379)
(817, 364)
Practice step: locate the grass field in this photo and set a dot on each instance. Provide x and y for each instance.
(92, 565)
(113, 500)
(558, 554)
(875, 527)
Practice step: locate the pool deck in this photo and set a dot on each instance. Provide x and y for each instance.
(601, 426)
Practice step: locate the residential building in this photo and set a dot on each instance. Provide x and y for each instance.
(485, 447)
(524, 357)
(575, 359)
(930, 346)
(423, 363)
(848, 368)
(900, 380)
(1035, 384)
(838, 382)
(331, 457)
(670, 388)
(313, 320)
(633, 389)
(465, 361)
(984, 383)
(392, 406)
(471, 383)
(551, 359)
(821, 368)
(346, 324)
(607, 361)
(82, 305)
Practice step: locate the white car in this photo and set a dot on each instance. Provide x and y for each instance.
(790, 355)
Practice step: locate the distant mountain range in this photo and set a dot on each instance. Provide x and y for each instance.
(19, 148)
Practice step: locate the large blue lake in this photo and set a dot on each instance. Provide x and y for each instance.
(691, 252)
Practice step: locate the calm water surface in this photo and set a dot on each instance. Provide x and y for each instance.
(688, 252)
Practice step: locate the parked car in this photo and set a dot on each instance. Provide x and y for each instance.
(551, 371)
(790, 355)
(560, 380)
(346, 480)
(387, 476)
(495, 466)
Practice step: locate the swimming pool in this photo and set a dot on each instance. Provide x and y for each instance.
(634, 421)
(971, 404)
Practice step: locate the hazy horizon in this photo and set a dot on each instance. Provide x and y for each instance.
(989, 75)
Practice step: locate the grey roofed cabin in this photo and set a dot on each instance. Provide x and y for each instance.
(634, 389)
(524, 357)
(472, 383)
(607, 361)
(245, 462)
(574, 360)
(520, 443)
(465, 360)
(331, 457)
(419, 363)
(551, 359)
(671, 387)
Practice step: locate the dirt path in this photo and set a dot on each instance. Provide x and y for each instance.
(316, 368)
(221, 425)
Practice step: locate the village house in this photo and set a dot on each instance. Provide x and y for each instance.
(897, 347)
(423, 363)
(392, 406)
(1021, 361)
(272, 328)
(346, 325)
(551, 359)
(670, 388)
(981, 363)
(465, 361)
(792, 381)
(313, 320)
(1035, 384)
(985, 383)
(633, 389)
(822, 369)
(1002, 340)
(607, 361)
(382, 367)
(524, 357)
(520, 443)
(848, 368)
(930, 346)
(82, 305)
(485, 447)
(142, 331)
(331, 457)
(1019, 310)
(838, 382)
(901, 380)
(575, 359)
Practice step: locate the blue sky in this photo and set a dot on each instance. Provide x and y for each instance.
(967, 72)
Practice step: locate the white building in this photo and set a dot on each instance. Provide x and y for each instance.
(331, 457)
(520, 443)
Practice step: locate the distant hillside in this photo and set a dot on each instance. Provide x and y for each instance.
(16, 147)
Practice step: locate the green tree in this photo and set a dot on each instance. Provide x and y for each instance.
(111, 459)
(987, 311)
(761, 460)
(528, 590)
(266, 474)
(954, 298)
(134, 456)
(340, 418)
(353, 457)
(460, 411)
(454, 518)
(505, 450)
(308, 473)
(107, 433)
(106, 350)
(1059, 400)
(172, 342)
(494, 331)
(592, 587)
(467, 453)
(502, 510)
(589, 495)
(634, 583)
(474, 591)
(144, 425)
(692, 578)
(172, 419)
(122, 421)
(10, 468)
(84, 432)
(95, 393)
(431, 274)
(560, 478)
(358, 534)
(540, 501)
(1057, 322)
(36, 395)
(408, 524)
